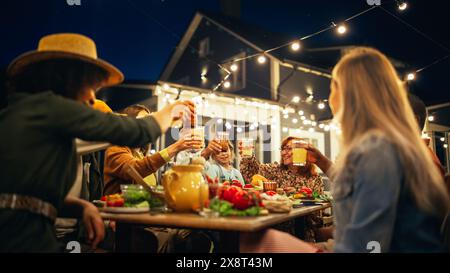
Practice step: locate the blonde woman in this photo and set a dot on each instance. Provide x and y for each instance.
(389, 196)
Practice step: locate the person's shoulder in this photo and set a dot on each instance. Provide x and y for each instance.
(118, 149)
(373, 142)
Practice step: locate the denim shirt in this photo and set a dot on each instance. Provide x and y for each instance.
(374, 210)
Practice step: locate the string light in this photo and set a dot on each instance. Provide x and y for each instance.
(326, 128)
(311, 130)
(295, 46)
(302, 117)
(166, 86)
(301, 113)
(239, 130)
(220, 121)
(402, 5)
(262, 59)
(234, 67)
(341, 29)
(431, 118)
(296, 99)
(411, 76)
(286, 116)
(321, 106)
(285, 129)
(314, 123)
(294, 120)
(321, 126)
(227, 84)
(228, 125)
(443, 139)
(445, 146)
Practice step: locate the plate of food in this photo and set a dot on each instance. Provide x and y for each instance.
(132, 200)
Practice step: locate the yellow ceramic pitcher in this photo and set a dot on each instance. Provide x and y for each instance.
(185, 188)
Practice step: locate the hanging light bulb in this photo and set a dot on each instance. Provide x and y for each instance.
(321, 126)
(326, 128)
(166, 86)
(239, 130)
(285, 111)
(445, 146)
(296, 99)
(411, 76)
(341, 29)
(301, 113)
(443, 139)
(295, 46)
(311, 130)
(262, 59)
(227, 84)
(302, 117)
(220, 121)
(431, 118)
(314, 123)
(228, 125)
(294, 120)
(321, 105)
(234, 67)
(286, 116)
(285, 129)
(402, 5)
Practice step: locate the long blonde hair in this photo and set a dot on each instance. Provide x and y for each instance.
(373, 99)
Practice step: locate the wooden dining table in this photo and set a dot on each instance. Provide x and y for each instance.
(228, 227)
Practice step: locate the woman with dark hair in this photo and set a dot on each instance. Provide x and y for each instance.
(118, 159)
(285, 173)
(46, 111)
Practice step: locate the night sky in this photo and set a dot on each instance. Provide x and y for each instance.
(138, 36)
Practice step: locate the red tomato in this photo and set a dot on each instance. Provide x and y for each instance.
(242, 200)
(229, 193)
(103, 198)
(248, 186)
(236, 183)
(270, 193)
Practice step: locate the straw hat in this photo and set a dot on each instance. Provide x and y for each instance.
(66, 46)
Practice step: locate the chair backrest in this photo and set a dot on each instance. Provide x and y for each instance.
(445, 229)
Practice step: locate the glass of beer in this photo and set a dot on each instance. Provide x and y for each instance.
(248, 147)
(299, 153)
(198, 133)
(222, 138)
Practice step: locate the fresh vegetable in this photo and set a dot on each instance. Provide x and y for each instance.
(248, 186)
(306, 191)
(227, 192)
(236, 183)
(226, 208)
(113, 200)
(270, 193)
(242, 200)
(257, 180)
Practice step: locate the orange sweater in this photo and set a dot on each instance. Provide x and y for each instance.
(117, 160)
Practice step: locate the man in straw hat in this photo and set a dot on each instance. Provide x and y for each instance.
(48, 92)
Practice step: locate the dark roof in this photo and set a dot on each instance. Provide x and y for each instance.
(324, 58)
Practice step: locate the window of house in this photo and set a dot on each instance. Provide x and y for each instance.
(203, 47)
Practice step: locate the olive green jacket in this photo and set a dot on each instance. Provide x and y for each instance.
(38, 157)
